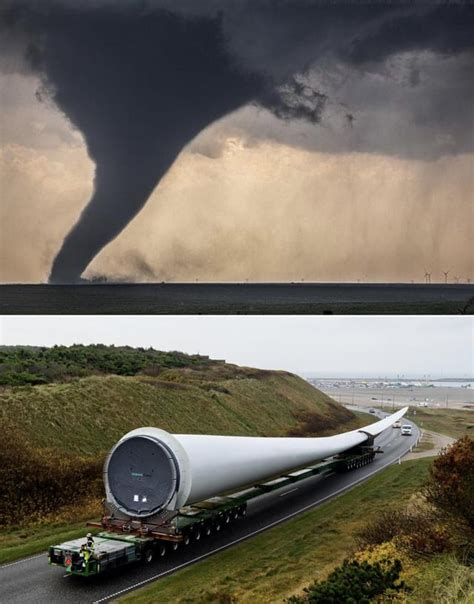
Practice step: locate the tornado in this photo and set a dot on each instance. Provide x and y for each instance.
(141, 78)
(139, 88)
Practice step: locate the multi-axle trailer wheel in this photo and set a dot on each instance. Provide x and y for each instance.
(195, 533)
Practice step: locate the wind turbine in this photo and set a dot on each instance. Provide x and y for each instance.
(427, 276)
(446, 273)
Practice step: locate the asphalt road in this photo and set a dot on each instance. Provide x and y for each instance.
(238, 298)
(32, 580)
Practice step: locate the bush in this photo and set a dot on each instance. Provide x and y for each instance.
(354, 583)
(21, 378)
(418, 530)
(450, 486)
(23, 365)
(391, 550)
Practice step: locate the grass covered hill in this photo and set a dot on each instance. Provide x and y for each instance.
(86, 415)
(58, 426)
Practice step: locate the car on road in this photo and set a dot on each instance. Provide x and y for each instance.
(371, 410)
(397, 424)
(406, 430)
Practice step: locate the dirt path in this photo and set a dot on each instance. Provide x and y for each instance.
(430, 445)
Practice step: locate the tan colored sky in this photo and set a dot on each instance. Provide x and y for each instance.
(232, 208)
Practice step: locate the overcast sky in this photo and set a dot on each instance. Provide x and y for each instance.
(325, 346)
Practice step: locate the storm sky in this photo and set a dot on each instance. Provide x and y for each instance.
(271, 140)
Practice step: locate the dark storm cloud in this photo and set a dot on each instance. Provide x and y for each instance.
(142, 79)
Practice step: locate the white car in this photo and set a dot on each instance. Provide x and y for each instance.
(397, 424)
(406, 430)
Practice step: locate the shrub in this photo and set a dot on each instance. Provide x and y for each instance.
(450, 485)
(354, 583)
(23, 365)
(390, 550)
(418, 530)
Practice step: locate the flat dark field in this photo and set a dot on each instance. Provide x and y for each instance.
(224, 298)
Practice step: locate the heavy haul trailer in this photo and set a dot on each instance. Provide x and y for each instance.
(123, 541)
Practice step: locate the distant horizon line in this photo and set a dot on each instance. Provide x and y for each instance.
(391, 377)
(86, 283)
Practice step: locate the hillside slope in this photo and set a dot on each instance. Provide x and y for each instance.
(87, 415)
(74, 403)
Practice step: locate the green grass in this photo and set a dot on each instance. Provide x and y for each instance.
(88, 415)
(365, 418)
(277, 563)
(452, 422)
(425, 444)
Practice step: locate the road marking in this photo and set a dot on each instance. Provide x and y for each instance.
(245, 537)
(21, 561)
(288, 492)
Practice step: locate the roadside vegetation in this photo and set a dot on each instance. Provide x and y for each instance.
(23, 365)
(452, 422)
(55, 435)
(425, 443)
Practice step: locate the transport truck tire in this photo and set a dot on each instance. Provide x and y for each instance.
(148, 556)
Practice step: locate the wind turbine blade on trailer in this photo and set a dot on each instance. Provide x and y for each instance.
(149, 470)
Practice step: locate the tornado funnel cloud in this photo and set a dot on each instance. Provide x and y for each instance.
(116, 199)
(140, 80)
(139, 89)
